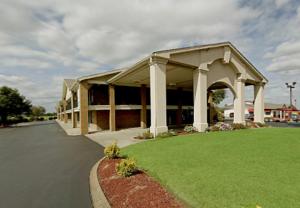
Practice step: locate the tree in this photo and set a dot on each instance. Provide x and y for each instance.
(12, 104)
(37, 111)
(218, 96)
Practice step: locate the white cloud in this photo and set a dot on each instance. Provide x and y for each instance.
(280, 3)
(66, 38)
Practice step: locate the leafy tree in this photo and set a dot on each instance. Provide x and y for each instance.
(12, 104)
(218, 96)
(37, 111)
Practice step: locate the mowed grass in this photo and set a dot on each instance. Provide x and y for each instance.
(227, 169)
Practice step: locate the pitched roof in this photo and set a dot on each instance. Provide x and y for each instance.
(70, 83)
(188, 49)
(213, 45)
(273, 106)
(114, 71)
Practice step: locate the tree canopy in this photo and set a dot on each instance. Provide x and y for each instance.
(37, 111)
(218, 96)
(12, 103)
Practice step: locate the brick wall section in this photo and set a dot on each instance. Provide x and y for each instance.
(127, 118)
(103, 119)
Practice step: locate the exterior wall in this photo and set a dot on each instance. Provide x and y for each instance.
(98, 95)
(103, 119)
(219, 72)
(127, 118)
(69, 94)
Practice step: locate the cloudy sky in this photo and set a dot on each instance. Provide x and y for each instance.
(42, 42)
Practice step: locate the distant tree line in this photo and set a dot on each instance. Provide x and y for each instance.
(15, 108)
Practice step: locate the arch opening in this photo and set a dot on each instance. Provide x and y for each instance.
(215, 113)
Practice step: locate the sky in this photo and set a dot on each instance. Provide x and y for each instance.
(42, 42)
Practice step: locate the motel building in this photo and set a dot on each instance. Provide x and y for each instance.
(169, 88)
(272, 112)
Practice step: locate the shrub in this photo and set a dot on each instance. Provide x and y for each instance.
(145, 135)
(237, 126)
(112, 151)
(260, 125)
(214, 128)
(221, 127)
(164, 135)
(189, 129)
(127, 167)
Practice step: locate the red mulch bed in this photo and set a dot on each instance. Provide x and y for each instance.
(135, 191)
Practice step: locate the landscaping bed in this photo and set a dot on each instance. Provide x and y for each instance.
(138, 190)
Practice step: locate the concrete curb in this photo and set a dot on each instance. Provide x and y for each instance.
(98, 198)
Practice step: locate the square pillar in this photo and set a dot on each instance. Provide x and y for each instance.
(143, 106)
(239, 102)
(58, 114)
(112, 108)
(211, 107)
(179, 107)
(259, 108)
(65, 112)
(200, 99)
(84, 107)
(72, 111)
(61, 113)
(94, 120)
(75, 120)
(158, 96)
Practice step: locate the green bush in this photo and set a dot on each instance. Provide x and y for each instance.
(237, 126)
(260, 125)
(112, 151)
(214, 128)
(147, 135)
(127, 167)
(166, 134)
(189, 129)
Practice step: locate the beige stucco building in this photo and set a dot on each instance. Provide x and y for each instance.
(167, 88)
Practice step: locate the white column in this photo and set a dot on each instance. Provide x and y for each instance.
(239, 102)
(158, 96)
(200, 99)
(259, 109)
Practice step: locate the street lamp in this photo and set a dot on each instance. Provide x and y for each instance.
(291, 86)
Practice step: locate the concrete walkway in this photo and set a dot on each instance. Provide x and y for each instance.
(123, 137)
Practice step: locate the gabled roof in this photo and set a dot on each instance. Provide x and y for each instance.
(274, 106)
(184, 50)
(114, 71)
(213, 45)
(70, 82)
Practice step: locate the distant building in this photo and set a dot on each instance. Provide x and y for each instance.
(272, 112)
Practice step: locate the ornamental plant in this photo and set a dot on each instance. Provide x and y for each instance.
(112, 151)
(127, 167)
(237, 126)
(189, 129)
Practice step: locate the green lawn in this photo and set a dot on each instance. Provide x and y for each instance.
(227, 169)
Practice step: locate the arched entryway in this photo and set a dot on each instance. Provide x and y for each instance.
(214, 113)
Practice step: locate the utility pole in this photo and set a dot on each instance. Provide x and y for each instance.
(291, 86)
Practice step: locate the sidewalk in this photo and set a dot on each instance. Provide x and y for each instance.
(123, 137)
